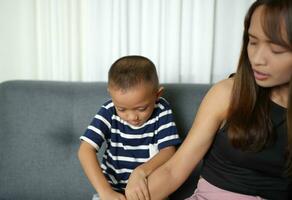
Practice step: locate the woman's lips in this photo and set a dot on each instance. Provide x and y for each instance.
(259, 75)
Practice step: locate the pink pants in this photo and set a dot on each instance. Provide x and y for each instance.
(207, 191)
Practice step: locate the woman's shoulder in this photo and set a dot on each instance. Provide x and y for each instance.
(219, 96)
(223, 88)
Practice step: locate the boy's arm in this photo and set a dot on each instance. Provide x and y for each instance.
(92, 169)
(137, 184)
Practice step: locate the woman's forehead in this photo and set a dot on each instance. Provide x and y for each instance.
(271, 23)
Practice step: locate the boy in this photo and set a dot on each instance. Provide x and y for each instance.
(137, 126)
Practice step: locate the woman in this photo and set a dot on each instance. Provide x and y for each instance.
(243, 126)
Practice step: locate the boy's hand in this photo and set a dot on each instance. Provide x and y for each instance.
(112, 195)
(137, 188)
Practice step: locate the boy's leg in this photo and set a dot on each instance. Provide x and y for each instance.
(95, 197)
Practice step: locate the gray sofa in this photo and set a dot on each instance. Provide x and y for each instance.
(40, 125)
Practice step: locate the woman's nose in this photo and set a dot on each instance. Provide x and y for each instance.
(260, 56)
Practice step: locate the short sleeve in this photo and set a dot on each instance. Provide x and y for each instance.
(99, 129)
(167, 134)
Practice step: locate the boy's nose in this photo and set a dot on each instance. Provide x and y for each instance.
(132, 116)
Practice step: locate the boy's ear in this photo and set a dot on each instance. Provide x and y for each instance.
(159, 92)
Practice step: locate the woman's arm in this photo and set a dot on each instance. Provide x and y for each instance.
(210, 116)
(137, 184)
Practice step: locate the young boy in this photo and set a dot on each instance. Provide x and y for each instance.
(137, 126)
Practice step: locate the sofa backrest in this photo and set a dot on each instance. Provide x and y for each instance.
(40, 125)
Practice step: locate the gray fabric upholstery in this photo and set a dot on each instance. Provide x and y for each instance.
(40, 125)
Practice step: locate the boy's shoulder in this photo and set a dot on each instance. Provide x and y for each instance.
(107, 107)
(162, 107)
(108, 104)
(162, 103)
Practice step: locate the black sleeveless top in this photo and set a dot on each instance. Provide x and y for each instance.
(259, 174)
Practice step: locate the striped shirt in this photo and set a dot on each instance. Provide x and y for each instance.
(128, 146)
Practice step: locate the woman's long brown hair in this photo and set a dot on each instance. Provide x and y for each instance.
(249, 124)
(289, 123)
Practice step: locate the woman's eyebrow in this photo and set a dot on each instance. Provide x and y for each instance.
(255, 37)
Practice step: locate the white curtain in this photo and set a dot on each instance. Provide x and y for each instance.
(190, 41)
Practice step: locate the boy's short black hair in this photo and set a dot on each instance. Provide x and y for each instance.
(132, 70)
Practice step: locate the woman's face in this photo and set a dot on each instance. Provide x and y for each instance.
(271, 63)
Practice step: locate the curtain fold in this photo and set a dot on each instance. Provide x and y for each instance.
(58, 39)
(190, 41)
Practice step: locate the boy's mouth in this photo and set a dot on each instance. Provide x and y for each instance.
(135, 123)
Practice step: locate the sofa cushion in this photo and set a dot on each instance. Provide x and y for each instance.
(41, 122)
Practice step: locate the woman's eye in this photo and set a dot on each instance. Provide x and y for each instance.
(278, 52)
(252, 43)
(277, 49)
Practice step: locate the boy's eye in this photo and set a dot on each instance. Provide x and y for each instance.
(142, 109)
(121, 109)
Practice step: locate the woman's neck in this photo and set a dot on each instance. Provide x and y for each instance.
(279, 95)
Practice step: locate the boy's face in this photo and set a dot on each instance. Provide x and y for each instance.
(136, 104)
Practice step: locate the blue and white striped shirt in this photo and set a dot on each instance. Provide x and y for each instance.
(129, 146)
